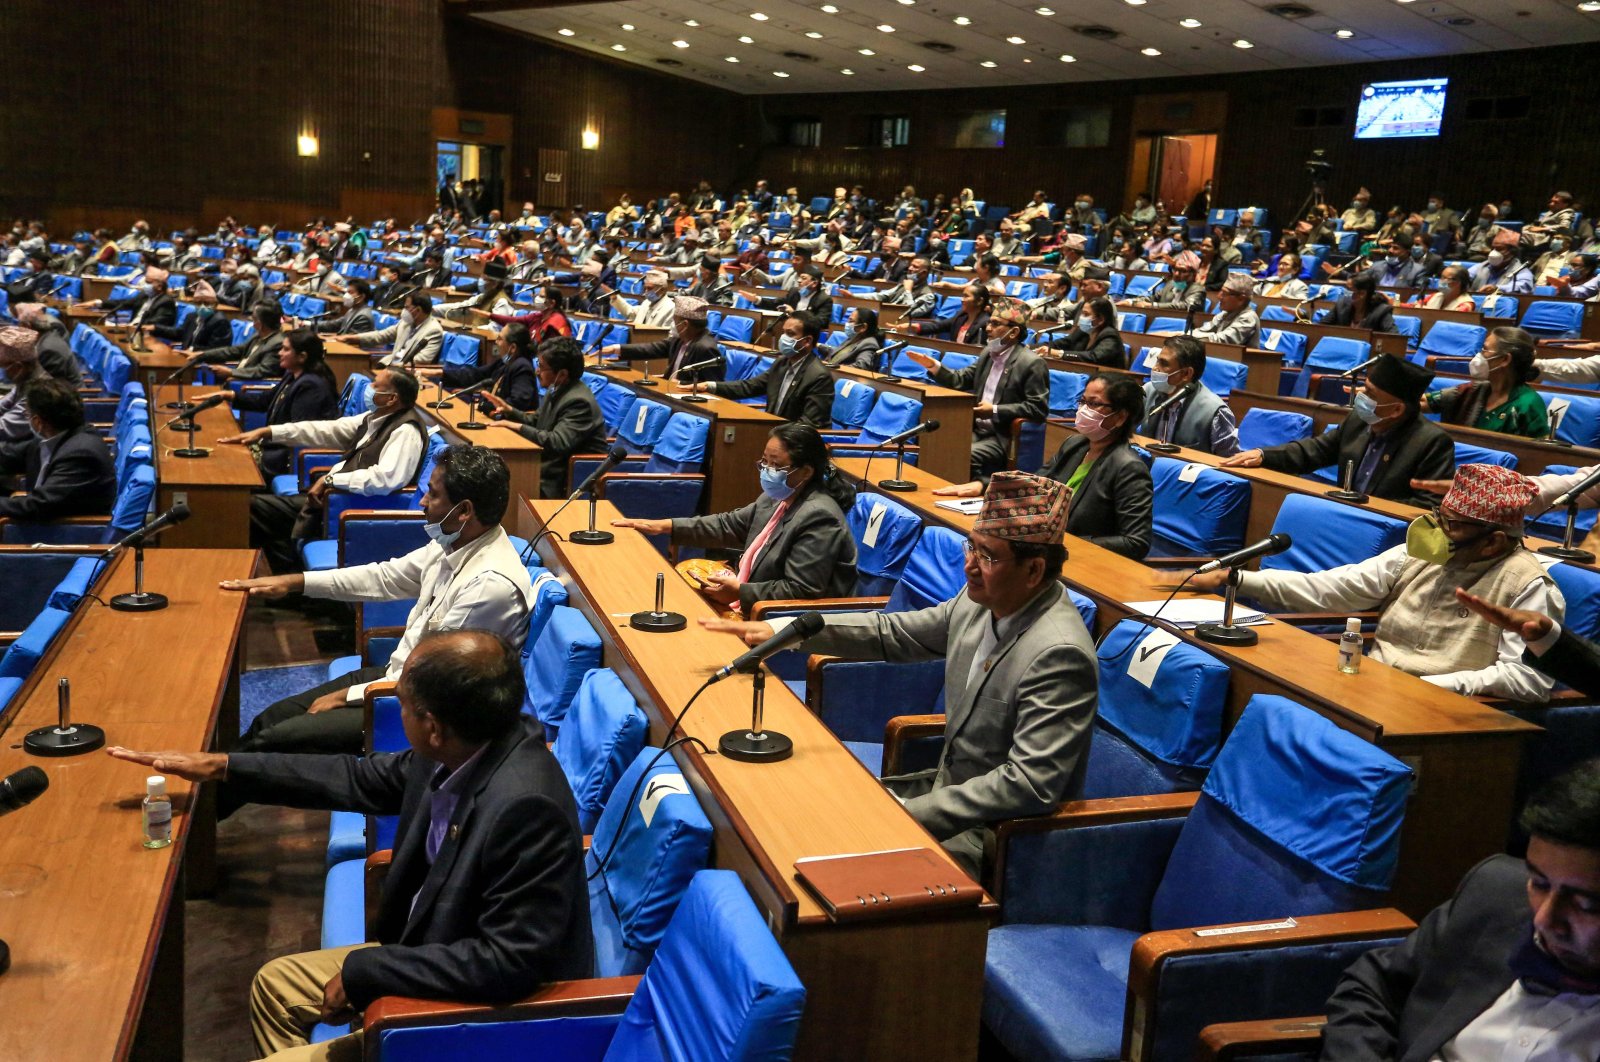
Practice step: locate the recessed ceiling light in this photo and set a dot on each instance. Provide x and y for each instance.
(829, 9)
(747, 40)
(731, 59)
(690, 22)
(680, 44)
(1150, 51)
(1134, 3)
(618, 48)
(1015, 40)
(962, 20)
(1405, 1)
(628, 26)
(564, 32)
(779, 73)
(847, 72)
(1345, 34)
(908, 3)
(1589, 5)
(1068, 58)
(885, 28)
(1045, 11)
(1189, 23)
(758, 16)
(988, 64)
(866, 51)
(1242, 43)
(1027, 60)
(814, 35)
(915, 69)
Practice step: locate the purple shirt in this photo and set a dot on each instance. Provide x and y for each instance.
(443, 799)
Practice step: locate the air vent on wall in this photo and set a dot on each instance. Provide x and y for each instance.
(669, 62)
(1460, 20)
(800, 57)
(939, 46)
(1292, 11)
(1099, 33)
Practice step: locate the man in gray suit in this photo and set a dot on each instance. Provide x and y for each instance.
(1020, 683)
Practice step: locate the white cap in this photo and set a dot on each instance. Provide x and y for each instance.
(1352, 625)
(155, 785)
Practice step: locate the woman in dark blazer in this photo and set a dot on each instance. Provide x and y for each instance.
(796, 542)
(307, 391)
(511, 374)
(1105, 342)
(1364, 307)
(969, 325)
(860, 348)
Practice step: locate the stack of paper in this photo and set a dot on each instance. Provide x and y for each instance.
(1190, 612)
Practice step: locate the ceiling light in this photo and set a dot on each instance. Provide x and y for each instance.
(690, 22)
(1189, 23)
(1027, 60)
(915, 69)
(814, 35)
(1242, 43)
(908, 3)
(628, 26)
(758, 16)
(1589, 5)
(962, 20)
(618, 48)
(1347, 34)
(747, 40)
(847, 72)
(680, 44)
(1150, 51)
(1134, 3)
(1068, 58)
(829, 9)
(1405, 1)
(1015, 40)
(988, 64)
(1045, 11)
(779, 73)
(731, 59)
(866, 51)
(564, 32)
(885, 28)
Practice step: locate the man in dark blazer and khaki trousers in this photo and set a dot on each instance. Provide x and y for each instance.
(797, 386)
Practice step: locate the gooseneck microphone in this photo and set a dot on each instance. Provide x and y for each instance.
(1274, 543)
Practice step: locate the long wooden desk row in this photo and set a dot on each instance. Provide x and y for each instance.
(1465, 753)
(95, 920)
(906, 989)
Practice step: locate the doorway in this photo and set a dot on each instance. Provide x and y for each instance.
(473, 169)
(1173, 168)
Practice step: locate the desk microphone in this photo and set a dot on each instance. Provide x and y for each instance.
(1275, 543)
(1350, 373)
(1582, 487)
(804, 626)
(617, 455)
(19, 790)
(925, 426)
(1161, 407)
(139, 600)
(884, 352)
(185, 421)
(709, 363)
(758, 744)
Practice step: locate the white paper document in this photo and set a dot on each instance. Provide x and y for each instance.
(966, 506)
(1192, 611)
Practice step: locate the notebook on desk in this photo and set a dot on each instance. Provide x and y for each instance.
(889, 884)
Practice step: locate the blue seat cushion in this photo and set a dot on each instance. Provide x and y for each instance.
(344, 904)
(286, 484)
(343, 666)
(1057, 992)
(347, 837)
(320, 555)
(870, 755)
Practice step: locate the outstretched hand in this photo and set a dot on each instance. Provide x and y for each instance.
(1530, 626)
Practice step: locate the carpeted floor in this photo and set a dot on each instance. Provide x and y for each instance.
(258, 690)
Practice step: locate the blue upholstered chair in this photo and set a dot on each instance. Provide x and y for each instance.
(1327, 534)
(1297, 819)
(1331, 355)
(602, 734)
(885, 533)
(1272, 427)
(1199, 511)
(555, 662)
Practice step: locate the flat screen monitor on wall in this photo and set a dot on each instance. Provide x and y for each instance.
(1394, 109)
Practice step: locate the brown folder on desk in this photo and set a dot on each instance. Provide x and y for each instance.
(874, 885)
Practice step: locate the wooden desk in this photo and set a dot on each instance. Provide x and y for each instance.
(217, 487)
(1465, 753)
(523, 457)
(909, 989)
(94, 920)
(947, 452)
(345, 359)
(737, 438)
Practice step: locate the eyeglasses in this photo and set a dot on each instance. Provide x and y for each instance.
(762, 465)
(1456, 523)
(984, 557)
(1102, 407)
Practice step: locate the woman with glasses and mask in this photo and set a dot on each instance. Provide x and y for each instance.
(861, 345)
(1498, 398)
(793, 540)
(548, 318)
(1112, 493)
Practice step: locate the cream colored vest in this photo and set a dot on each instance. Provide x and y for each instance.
(1424, 630)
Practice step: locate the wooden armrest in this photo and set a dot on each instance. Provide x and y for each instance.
(814, 665)
(378, 514)
(820, 604)
(600, 995)
(1324, 617)
(77, 521)
(904, 728)
(7, 637)
(1078, 813)
(1243, 1039)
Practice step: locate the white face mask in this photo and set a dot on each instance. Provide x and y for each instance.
(539, 302)
(1496, 258)
(350, 299)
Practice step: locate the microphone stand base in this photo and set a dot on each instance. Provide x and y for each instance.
(191, 451)
(647, 383)
(441, 405)
(1568, 553)
(471, 425)
(1162, 448)
(898, 486)
(73, 741)
(769, 746)
(1346, 496)
(1226, 634)
(5, 957)
(139, 602)
(658, 622)
(694, 398)
(181, 407)
(591, 538)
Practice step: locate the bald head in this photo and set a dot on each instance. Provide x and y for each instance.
(468, 682)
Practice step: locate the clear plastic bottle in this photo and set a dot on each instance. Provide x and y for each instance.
(1350, 647)
(156, 813)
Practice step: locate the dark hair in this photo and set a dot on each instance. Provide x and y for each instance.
(991, 263)
(270, 314)
(1364, 282)
(361, 288)
(810, 323)
(516, 333)
(1520, 345)
(554, 297)
(1105, 312)
(307, 344)
(54, 402)
(1460, 272)
(1190, 352)
(709, 264)
(421, 300)
(983, 295)
(563, 352)
(1126, 395)
(1566, 809)
(1054, 554)
(870, 319)
(808, 449)
(469, 680)
(811, 271)
(406, 386)
(479, 475)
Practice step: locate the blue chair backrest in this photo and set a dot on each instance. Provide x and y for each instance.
(1199, 510)
(885, 533)
(353, 399)
(1140, 286)
(118, 371)
(891, 415)
(615, 402)
(1327, 534)
(460, 348)
(596, 382)
(1133, 322)
(242, 329)
(1410, 327)
(956, 361)
(1066, 388)
(1161, 703)
(907, 369)
(1581, 587)
(601, 735)
(652, 837)
(1297, 817)
(1270, 427)
(742, 364)
(564, 651)
(1553, 319)
(32, 581)
(133, 500)
(736, 329)
(1292, 345)
(1504, 307)
(682, 446)
(1577, 417)
(852, 402)
(1223, 377)
(1331, 354)
(1468, 454)
(24, 653)
(643, 425)
(933, 573)
(1452, 339)
(1167, 324)
(1277, 313)
(719, 986)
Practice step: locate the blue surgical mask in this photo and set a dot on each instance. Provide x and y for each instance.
(787, 345)
(1418, 252)
(775, 484)
(205, 311)
(1158, 380)
(1366, 409)
(437, 532)
(1180, 285)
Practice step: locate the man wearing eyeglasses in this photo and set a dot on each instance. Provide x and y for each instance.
(1472, 542)
(1020, 685)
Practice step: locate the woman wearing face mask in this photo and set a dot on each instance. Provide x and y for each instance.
(547, 319)
(510, 375)
(1112, 494)
(1284, 282)
(1105, 346)
(1452, 293)
(970, 324)
(307, 392)
(795, 542)
(1498, 398)
(861, 345)
(1364, 307)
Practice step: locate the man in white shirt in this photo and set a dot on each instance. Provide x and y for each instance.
(1508, 969)
(383, 452)
(417, 336)
(468, 577)
(1473, 541)
(652, 311)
